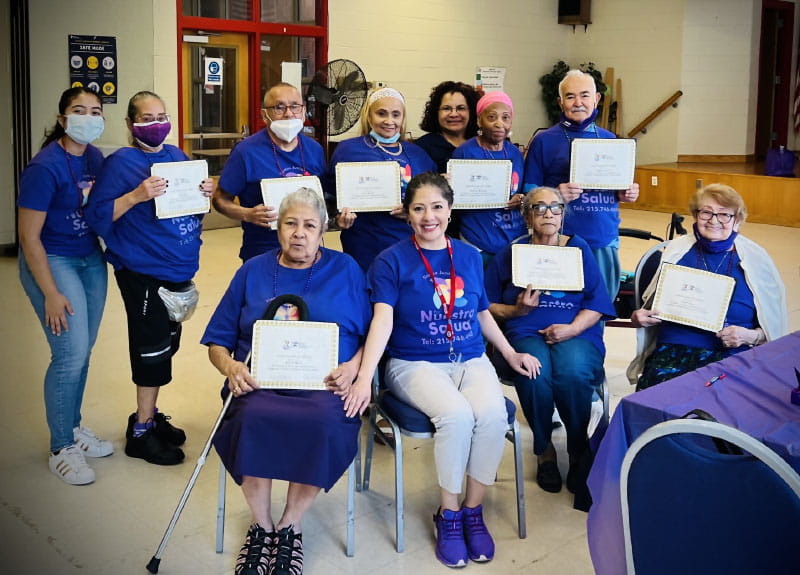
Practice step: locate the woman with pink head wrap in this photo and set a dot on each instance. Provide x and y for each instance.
(493, 229)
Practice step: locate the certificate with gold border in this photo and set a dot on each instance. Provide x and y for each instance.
(693, 297)
(602, 164)
(273, 190)
(183, 196)
(294, 354)
(479, 184)
(368, 186)
(547, 267)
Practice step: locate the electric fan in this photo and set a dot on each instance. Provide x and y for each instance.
(335, 97)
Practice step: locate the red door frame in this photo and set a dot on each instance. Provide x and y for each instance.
(254, 28)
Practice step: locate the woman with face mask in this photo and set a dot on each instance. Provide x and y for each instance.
(147, 254)
(383, 128)
(492, 230)
(62, 271)
(278, 151)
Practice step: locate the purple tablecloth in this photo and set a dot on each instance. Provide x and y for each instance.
(753, 397)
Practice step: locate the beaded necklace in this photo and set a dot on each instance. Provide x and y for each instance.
(302, 157)
(308, 279)
(377, 144)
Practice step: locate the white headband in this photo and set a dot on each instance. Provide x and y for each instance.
(385, 93)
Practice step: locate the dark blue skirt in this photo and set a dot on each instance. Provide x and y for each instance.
(292, 435)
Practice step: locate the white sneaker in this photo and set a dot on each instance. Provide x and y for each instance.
(71, 466)
(90, 444)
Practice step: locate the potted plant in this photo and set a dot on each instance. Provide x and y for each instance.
(550, 81)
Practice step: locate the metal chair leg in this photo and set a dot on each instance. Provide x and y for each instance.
(398, 488)
(221, 507)
(520, 481)
(351, 490)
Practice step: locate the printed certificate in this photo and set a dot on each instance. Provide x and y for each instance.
(479, 184)
(273, 190)
(692, 297)
(368, 186)
(547, 267)
(601, 164)
(183, 196)
(294, 354)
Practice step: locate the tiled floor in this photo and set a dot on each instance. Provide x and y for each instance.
(115, 525)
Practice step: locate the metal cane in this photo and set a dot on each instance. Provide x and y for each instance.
(155, 560)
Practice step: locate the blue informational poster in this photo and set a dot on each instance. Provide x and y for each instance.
(93, 64)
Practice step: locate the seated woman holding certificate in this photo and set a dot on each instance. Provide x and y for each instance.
(561, 328)
(305, 437)
(151, 256)
(365, 234)
(757, 311)
(430, 308)
(490, 230)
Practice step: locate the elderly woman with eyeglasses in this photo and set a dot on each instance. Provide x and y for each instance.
(562, 329)
(757, 312)
(278, 151)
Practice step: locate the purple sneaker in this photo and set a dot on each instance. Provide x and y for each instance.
(479, 542)
(450, 546)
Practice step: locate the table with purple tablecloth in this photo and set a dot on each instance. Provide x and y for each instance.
(754, 396)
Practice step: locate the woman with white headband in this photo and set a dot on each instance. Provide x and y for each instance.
(383, 128)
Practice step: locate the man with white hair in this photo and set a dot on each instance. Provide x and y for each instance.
(592, 214)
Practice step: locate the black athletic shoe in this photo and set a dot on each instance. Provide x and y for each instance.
(256, 553)
(168, 432)
(153, 449)
(288, 557)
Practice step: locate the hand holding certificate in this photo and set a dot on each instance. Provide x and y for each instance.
(547, 267)
(602, 164)
(368, 186)
(693, 297)
(183, 196)
(294, 354)
(480, 184)
(273, 190)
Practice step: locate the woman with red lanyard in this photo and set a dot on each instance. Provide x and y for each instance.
(63, 273)
(430, 307)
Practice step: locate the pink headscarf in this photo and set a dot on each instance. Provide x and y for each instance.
(493, 98)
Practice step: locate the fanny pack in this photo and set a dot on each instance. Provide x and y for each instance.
(180, 304)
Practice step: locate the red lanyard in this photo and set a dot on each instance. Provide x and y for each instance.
(448, 308)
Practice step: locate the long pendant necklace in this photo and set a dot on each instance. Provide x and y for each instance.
(729, 256)
(308, 278)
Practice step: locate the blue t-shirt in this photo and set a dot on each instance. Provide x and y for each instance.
(554, 306)
(256, 158)
(372, 232)
(166, 249)
(741, 311)
(492, 230)
(595, 214)
(399, 278)
(335, 293)
(49, 183)
(438, 148)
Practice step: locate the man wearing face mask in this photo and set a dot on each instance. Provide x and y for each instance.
(277, 151)
(592, 214)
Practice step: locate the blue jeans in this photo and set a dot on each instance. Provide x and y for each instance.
(83, 281)
(571, 372)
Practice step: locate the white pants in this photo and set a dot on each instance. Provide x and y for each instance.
(465, 403)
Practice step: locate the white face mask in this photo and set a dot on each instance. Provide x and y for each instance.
(84, 128)
(286, 130)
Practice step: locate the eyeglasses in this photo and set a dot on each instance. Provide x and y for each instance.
(147, 118)
(540, 209)
(280, 109)
(450, 109)
(722, 217)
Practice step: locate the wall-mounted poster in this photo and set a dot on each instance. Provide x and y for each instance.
(93, 64)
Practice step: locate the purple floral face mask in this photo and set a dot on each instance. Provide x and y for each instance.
(151, 134)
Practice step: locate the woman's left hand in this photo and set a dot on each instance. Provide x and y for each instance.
(523, 363)
(341, 379)
(399, 213)
(629, 195)
(207, 187)
(357, 397)
(735, 336)
(557, 332)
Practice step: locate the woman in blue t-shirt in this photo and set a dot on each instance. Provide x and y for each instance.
(430, 307)
(383, 127)
(492, 230)
(562, 329)
(149, 255)
(62, 272)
